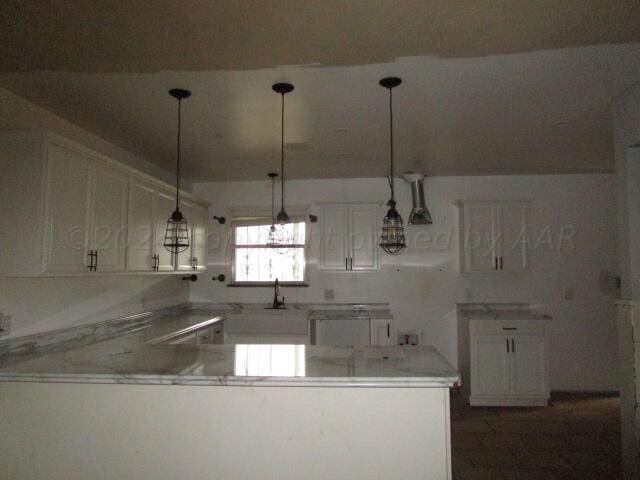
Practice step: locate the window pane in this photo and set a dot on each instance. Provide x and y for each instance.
(265, 265)
(259, 234)
(241, 236)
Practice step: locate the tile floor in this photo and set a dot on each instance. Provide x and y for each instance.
(576, 437)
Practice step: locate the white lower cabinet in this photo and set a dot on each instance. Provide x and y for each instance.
(380, 331)
(508, 363)
(352, 332)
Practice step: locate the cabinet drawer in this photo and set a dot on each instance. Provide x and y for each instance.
(507, 327)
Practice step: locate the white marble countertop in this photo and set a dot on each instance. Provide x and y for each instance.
(492, 311)
(131, 359)
(506, 315)
(350, 314)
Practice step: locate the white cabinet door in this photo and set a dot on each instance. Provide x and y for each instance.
(380, 331)
(68, 207)
(363, 241)
(200, 231)
(140, 248)
(479, 237)
(529, 365)
(109, 219)
(334, 237)
(512, 225)
(163, 206)
(184, 259)
(490, 365)
(343, 333)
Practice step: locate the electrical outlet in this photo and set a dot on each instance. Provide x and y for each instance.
(329, 294)
(408, 338)
(5, 325)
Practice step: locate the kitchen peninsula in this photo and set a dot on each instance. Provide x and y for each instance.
(241, 411)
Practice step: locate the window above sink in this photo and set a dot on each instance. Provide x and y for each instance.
(255, 263)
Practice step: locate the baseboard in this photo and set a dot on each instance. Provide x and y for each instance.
(490, 401)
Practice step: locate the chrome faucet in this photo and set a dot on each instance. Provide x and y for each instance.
(276, 292)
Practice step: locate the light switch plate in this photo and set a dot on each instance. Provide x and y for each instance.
(5, 325)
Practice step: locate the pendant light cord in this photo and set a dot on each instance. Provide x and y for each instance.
(282, 151)
(178, 162)
(391, 181)
(273, 200)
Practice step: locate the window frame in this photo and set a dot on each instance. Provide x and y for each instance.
(253, 216)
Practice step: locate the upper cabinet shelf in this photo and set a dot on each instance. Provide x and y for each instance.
(493, 236)
(71, 211)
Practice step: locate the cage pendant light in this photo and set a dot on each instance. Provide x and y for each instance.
(392, 239)
(176, 237)
(278, 237)
(282, 89)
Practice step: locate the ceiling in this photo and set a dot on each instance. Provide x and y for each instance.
(488, 89)
(190, 35)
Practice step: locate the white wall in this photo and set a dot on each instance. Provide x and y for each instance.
(48, 303)
(627, 155)
(574, 280)
(41, 304)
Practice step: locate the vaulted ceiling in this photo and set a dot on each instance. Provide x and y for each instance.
(490, 87)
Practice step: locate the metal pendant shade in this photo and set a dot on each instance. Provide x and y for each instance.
(392, 238)
(282, 89)
(176, 237)
(278, 237)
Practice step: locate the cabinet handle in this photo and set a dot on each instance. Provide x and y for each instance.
(495, 261)
(513, 345)
(507, 344)
(95, 260)
(194, 263)
(351, 263)
(509, 328)
(90, 266)
(388, 330)
(346, 263)
(500, 263)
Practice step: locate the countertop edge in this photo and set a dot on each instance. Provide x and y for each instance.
(446, 381)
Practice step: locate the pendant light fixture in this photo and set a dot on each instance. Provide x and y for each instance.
(282, 89)
(392, 239)
(176, 237)
(278, 238)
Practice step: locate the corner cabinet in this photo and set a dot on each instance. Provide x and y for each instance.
(493, 236)
(508, 363)
(348, 237)
(71, 211)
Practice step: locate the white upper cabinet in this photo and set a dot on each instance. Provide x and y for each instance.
(348, 237)
(493, 236)
(67, 206)
(512, 224)
(108, 234)
(163, 206)
(363, 240)
(200, 233)
(140, 245)
(71, 211)
(334, 229)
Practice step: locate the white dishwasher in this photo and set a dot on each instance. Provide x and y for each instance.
(343, 332)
